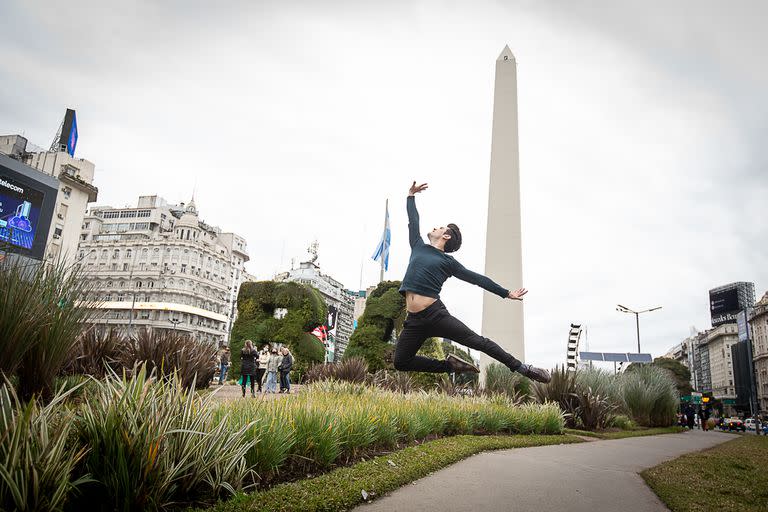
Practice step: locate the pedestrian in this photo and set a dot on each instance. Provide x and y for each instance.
(429, 267)
(272, 364)
(704, 419)
(691, 417)
(285, 369)
(262, 362)
(248, 357)
(224, 365)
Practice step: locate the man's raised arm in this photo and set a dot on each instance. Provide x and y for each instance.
(414, 237)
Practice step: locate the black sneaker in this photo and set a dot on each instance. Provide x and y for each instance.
(533, 373)
(460, 366)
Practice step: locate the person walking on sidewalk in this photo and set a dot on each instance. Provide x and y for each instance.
(224, 365)
(248, 358)
(430, 265)
(285, 369)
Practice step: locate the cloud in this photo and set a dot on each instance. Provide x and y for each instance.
(642, 164)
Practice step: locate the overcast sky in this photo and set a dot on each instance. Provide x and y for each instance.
(643, 131)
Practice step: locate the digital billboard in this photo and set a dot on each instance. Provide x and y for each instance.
(19, 212)
(725, 302)
(27, 199)
(69, 132)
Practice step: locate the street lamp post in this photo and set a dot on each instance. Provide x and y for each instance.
(625, 309)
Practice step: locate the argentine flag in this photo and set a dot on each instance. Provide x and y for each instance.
(382, 251)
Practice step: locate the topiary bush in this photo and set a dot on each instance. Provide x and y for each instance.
(384, 314)
(257, 302)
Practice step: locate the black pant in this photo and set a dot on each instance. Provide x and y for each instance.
(245, 377)
(436, 321)
(260, 376)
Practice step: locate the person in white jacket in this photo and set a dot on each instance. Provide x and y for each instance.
(272, 364)
(262, 369)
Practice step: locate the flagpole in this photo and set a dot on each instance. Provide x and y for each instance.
(384, 235)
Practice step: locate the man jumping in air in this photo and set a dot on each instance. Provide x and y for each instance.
(428, 268)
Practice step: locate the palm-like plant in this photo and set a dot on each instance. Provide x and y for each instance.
(42, 312)
(561, 390)
(36, 459)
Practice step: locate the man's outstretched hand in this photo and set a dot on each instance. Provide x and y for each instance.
(415, 189)
(517, 294)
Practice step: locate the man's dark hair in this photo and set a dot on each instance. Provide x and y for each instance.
(454, 243)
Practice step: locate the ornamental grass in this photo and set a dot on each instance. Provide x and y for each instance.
(332, 422)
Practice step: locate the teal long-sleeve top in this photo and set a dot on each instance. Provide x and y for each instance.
(429, 267)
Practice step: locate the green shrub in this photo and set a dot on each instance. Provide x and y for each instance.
(650, 396)
(384, 313)
(257, 302)
(500, 379)
(153, 444)
(41, 315)
(621, 421)
(96, 352)
(36, 460)
(561, 390)
(172, 354)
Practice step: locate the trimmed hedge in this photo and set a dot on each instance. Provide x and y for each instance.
(257, 302)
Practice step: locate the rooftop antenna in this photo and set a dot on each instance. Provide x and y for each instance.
(55, 144)
(313, 251)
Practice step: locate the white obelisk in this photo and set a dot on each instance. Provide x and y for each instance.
(503, 318)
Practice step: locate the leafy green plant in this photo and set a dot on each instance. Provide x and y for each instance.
(384, 314)
(592, 410)
(153, 444)
(499, 379)
(352, 369)
(561, 390)
(36, 461)
(169, 353)
(96, 352)
(305, 310)
(621, 421)
(41, 315)
(650, 395)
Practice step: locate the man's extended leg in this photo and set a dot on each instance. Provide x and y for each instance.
(447, 326)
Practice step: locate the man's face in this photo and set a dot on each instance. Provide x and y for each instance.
(436, 233)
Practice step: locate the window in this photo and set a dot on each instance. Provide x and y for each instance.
(128, 254)
(67, 192)
(116, 254)
(125, 267)
(57, 232)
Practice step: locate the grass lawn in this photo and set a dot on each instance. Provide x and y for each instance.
(730, 476)
(342, 489)
(621, 434)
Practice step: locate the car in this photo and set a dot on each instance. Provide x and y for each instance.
(749, 424)
(733, 424)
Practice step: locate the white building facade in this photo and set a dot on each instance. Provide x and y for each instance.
(718, 342)
(76, 190)
(758, 327)
(159, 266)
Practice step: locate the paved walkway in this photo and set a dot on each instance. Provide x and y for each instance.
(590, 476)
(235, 392)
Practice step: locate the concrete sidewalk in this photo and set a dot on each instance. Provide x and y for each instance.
(590, 476)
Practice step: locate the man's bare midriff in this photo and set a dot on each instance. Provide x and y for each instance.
(415, 302)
